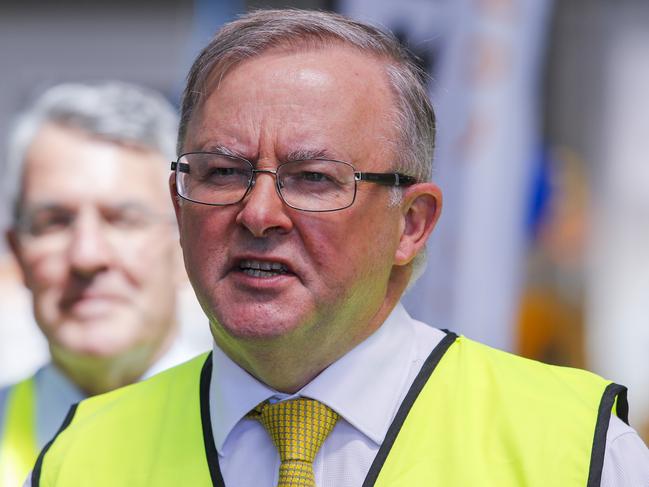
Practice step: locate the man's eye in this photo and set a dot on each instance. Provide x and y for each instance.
(128, 220)
(221, 173)
(48, 224)
(314, 177)
(224, 171)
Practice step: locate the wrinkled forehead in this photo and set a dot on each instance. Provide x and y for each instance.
(220, 69)
(345, 90)
(357, 75)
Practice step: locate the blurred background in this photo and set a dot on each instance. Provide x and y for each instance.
(543, 246)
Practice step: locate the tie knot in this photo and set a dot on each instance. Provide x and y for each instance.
(298, 427)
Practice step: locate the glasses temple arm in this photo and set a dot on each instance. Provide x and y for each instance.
(182, 166)
(388, 179)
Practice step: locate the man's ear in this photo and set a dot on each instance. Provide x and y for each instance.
(175, 199)
(421, 206)
(11, 237)
(179, 263)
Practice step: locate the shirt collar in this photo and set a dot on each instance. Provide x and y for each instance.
(55, 384)
(178, 352)
(233, 393)
(365, 386)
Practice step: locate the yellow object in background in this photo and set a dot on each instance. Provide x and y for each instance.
(18, 449)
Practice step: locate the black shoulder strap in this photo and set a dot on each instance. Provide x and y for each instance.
(416, 387)
(211, 454)
(210, 449)
(36, 472)
(611, 393)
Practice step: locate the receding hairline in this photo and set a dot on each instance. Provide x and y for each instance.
(152, 158)
(82, 132)
(298, 45)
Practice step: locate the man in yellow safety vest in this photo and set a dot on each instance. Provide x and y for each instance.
(304, 200)
(94, 235)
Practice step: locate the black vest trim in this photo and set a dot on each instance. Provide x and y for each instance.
(420, 381)
(211, 454)
(36, 472)
(611, 392)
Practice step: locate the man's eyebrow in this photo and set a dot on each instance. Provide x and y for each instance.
(222, 149)
(55, 207)
(304, 154)
(27, 213)
(300, 154)
(42, 207)
(133, 205)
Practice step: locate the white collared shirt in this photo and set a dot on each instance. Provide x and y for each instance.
(365, 387)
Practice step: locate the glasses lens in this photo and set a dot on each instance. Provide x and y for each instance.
(52, 228)
(317, 185)
(212, 178)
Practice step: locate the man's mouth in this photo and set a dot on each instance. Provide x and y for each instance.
(263, 269)
(92, 304)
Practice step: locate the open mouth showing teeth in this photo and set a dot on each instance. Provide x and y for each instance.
(257, 268)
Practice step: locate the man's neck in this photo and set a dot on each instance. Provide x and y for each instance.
(96, 375)
(288, 363)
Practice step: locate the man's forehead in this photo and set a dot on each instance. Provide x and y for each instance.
(327, 48)
(338, 86)
(53, 144)
(66, 164)
(306, 64)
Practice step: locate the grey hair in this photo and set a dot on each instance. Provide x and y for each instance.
(260, 31)
(115, 111)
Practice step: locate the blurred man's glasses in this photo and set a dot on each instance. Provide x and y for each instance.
(213, 178)
(51, 227)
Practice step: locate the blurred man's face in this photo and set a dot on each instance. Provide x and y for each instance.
(330, 271)
(96, 245)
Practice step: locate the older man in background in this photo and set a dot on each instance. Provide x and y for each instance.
(94, 236)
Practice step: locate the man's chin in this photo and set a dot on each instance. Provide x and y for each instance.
(96, 351)
(93, 339)
(256, 329)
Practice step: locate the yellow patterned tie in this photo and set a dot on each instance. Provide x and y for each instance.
(298, 429)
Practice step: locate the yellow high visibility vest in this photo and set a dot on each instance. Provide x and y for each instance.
(18, 450)
(474, 416)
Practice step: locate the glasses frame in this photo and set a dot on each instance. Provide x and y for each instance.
(392, 179)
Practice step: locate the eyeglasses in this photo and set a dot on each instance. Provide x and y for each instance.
(213, 178)
(51, 227)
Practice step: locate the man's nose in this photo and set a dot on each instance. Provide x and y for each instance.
(89, 249)
(263, 211)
